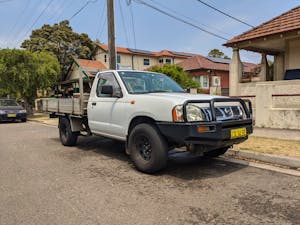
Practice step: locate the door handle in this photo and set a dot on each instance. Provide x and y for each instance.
(94, 103)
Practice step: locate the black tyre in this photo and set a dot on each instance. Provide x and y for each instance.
(24, 120)
(216, 152)
(67, 137)
(148, 149)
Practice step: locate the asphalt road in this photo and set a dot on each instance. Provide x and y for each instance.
(43, 182)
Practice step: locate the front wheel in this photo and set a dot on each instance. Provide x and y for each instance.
(67, 137)
(148, 149)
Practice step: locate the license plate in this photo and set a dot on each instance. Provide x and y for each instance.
(238, 133)
(11, 115)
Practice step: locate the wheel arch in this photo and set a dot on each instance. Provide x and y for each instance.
(138, 120)
(76, 123)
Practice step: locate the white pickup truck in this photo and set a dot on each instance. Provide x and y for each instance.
(152, 114)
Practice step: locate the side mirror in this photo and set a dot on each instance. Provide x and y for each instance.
(107, 89)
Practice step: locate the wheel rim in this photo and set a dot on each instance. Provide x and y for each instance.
(143, 147)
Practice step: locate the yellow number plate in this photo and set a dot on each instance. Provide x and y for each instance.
(11, 115)
(238, 133)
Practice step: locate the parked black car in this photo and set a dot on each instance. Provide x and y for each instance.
(10, 110)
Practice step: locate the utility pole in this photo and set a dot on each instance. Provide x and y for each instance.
(111, 35)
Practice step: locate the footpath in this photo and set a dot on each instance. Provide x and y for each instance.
(284, 134)
(274, 146)
(284, 149)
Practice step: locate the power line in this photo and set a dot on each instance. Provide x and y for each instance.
(101, 19)
(4, 1)
(17, 21)
(102, 28)
(226, 14)
(132, 21)
(37, 19)
(61, 7)
(179, 19)
(26, 20)
(82, 8)
(123, 22)
(190, 18)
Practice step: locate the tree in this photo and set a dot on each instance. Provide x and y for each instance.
(216, 53)
(62, 41)
(176, 73)
(23, 73)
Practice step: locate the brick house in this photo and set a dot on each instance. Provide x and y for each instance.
(212, 73)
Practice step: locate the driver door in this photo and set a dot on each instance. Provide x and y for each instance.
(105, 110)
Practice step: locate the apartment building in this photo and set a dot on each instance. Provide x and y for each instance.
(136, 59)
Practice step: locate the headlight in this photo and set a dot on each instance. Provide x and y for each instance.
(177, 113)
(193, 113)
(22, 111)
(2, 112)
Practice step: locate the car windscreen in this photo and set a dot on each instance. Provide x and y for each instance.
(8, 102)
(146, 82)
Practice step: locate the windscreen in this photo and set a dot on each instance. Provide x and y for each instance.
(146, 82)
(8, 102)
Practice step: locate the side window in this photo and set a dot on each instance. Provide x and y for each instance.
(106, 79)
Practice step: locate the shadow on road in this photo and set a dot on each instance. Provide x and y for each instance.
(180, 165)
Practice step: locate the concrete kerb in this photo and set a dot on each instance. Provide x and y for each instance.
(274, 159)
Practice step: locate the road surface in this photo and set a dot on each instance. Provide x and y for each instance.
(43, 182)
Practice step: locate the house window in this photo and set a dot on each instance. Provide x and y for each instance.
(146, 62)
(161, 61)
(118, 59)
(168, 61)
(105, 58)
(203, 81)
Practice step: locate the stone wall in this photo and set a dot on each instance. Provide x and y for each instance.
(276, 104)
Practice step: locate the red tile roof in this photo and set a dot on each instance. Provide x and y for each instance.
(167, 53)
(147, 53)
(91, 63)
(200, 62)
(249, 67)
(118, 49)
(286, 22)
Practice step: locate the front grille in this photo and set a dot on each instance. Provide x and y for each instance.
(224, 113)
(219, 112)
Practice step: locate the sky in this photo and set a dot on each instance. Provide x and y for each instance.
(141, 27)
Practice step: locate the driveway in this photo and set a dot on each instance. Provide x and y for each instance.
(43, 182)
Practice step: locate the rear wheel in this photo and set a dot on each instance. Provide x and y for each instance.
(148, 149)
(24, 120)
(67, 137)
(216, 152)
